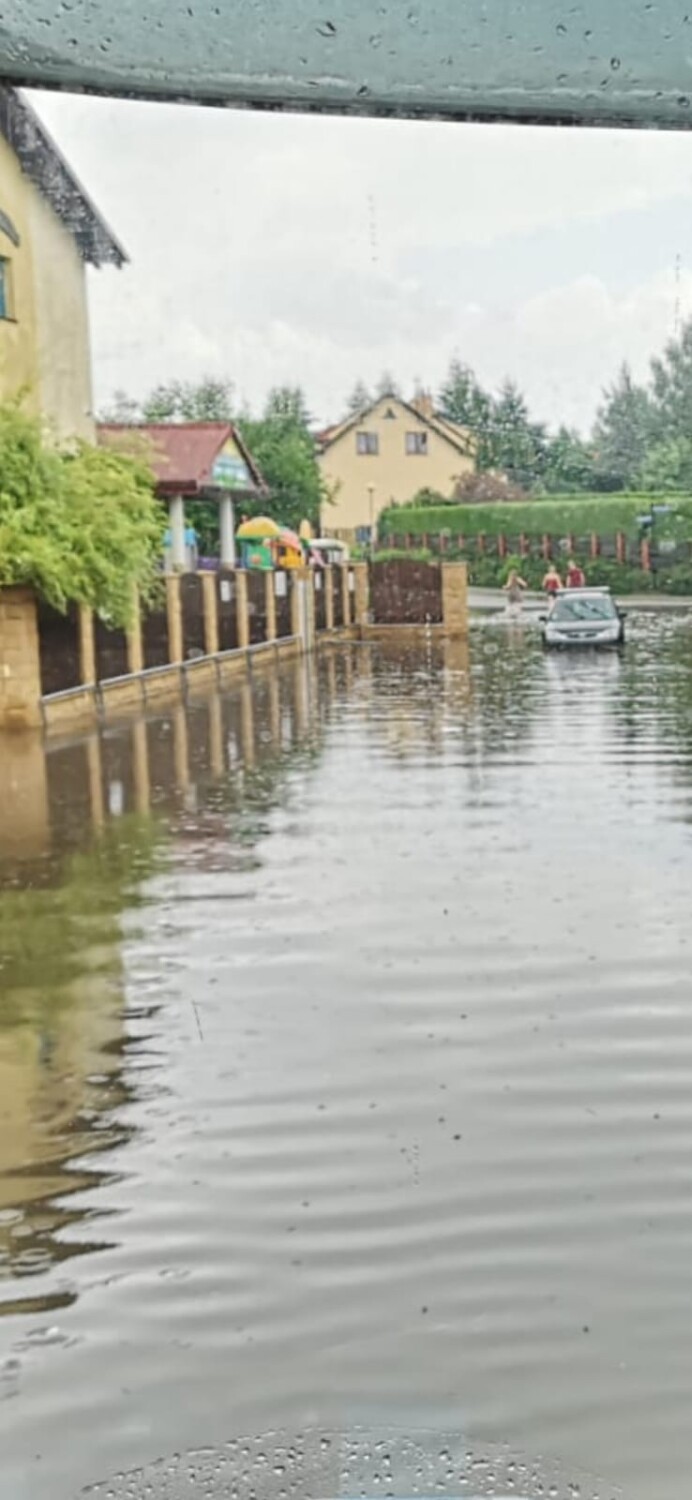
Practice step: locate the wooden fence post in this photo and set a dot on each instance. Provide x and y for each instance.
(546, 547)
(345, 594)
(645, 554)
(210, 604)
(328, 577)
(87, 645)
(595, 544)
(176, 652)
(502, 545)
(241, 610)
(621, 547)
(135, 653)
(270, 605)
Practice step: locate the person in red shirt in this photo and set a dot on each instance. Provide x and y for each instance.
(575, 575)
(552, 581)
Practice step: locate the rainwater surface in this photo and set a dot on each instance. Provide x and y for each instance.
(346, 1082)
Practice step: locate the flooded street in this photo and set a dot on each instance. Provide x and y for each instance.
(346, 1076)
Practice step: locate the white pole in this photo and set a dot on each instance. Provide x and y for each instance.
(226, 531)
(176, 517)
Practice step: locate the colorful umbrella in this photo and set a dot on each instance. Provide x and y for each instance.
(289, 538)
(258, 529)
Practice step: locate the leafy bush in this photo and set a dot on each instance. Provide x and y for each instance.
(491, 572)
(409, 554)
(83, 525)
(603, 514)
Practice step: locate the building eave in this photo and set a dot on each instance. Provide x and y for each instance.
(43, 163)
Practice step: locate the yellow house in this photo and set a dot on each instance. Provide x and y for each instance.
(384, 455)
(49, 232)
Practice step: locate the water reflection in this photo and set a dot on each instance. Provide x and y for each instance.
(84, 828)
(347, 1017)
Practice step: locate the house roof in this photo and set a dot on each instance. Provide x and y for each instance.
(459, 437)
(45, 166)
(181, 454)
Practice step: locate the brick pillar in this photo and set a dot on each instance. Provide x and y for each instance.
(175, 619)
(20, 665)
(523, 545)
(621, 547)
(480, 543)
(546, 546)
(241, 610)
(345, 594)
(361, 593)
(24, 825)
(645, 554)
(210, 605)
(270, 605)
(135, 653)
(595, 544)
(502, 545)
(455, 611)
(87, 645)
(328, 576)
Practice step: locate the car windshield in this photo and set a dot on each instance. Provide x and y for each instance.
(584, 607)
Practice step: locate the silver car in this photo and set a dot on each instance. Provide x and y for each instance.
(583, 617)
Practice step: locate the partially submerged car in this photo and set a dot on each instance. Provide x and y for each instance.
(583, 617)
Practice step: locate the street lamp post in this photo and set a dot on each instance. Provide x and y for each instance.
(371, 498)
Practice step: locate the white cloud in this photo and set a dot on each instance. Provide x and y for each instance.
(273, 248)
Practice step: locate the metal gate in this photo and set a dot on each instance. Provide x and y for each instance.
(406, 593)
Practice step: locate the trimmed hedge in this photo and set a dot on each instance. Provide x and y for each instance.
(603, 514)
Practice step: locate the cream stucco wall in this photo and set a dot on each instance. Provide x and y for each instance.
(18, 344)
(394, 474)
(62, 322)
(44, 346)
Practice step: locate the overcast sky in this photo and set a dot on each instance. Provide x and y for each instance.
(278, 248)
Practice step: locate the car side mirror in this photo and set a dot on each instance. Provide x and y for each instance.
(542, 619)
(623, 614)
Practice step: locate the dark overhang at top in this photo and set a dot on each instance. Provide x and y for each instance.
(598, 62)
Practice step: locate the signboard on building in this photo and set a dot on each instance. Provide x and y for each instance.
(230, 471)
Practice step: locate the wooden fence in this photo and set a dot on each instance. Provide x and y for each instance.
(636, 552)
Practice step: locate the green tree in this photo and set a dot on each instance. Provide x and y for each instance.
(623, 431)
(516, 444)
(359, 400)
(671, 377)
(285, 451)
(569, 463)
(83, 525)
(386, 385)
(123, 409)
(462, 400)
(667, 466)
(286, 403)
(206, 400)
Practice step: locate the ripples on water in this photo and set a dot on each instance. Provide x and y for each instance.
(345, 1081)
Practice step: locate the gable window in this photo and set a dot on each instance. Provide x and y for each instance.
(5, 288)
(417, 442)
(367, 442)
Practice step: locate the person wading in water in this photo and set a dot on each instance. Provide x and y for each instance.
(514, 589)
(552, 581)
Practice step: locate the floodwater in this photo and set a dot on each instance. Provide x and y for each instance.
(346, 1083)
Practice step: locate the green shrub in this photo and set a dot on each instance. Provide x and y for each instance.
(83, 525)
(579, 516)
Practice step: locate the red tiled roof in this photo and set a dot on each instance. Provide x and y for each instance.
(181, 454)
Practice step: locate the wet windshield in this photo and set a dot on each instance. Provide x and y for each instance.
(583, 607)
